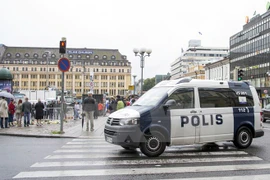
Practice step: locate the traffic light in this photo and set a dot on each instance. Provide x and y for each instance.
(240, 74)
(62, 48)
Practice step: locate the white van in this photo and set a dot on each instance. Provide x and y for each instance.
(187, 111)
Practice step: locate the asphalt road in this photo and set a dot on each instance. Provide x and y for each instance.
(19, 153)
(70, 159)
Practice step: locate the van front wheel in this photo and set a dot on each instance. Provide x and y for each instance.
(153, 144)
(243, 138)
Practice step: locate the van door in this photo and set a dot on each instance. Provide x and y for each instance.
(183, 122)
(216, 114)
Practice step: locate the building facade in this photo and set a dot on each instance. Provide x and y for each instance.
(196, 55)
(35, 68)
(219, 70)
(250, 50)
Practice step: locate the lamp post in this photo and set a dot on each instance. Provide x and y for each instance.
(142, 53)
(134, 76)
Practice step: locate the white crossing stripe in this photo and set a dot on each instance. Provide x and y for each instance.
(85, 156)
(87, 143)
(247, 177)
(108, 150)
(89, 146)
(144, 161)
(140, 171)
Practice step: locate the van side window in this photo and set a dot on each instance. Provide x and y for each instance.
(183, 97)
(221, 97)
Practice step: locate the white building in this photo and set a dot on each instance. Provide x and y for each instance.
(196, 54)
(219, 70)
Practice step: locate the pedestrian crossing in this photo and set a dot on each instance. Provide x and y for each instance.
(94, 158)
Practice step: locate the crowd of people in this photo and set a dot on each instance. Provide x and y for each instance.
(12, 111)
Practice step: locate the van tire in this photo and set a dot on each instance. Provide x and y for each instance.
(243, 138)
(153, 144)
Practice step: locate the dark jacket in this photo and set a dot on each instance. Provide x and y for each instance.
(89, 104)
(26, 107)
(39, 110)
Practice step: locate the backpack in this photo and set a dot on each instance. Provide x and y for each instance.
(120, 105)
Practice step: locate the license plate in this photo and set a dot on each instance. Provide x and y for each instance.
(109, 139)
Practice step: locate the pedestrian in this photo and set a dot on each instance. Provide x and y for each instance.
(76, 110)
(26, 109)
(88, 110)
(119, 103)
(3, 112)
(18, 113)
(96, 111)
(100, 108)
(112, 106)
(39, 106)
(11, 111)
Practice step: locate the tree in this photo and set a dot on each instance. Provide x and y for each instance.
(148, 84)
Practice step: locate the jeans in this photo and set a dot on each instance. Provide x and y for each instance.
(26, 117)
(2, 122)
(76, 113)
(10, 118)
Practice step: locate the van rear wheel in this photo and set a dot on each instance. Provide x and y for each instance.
(243, 138)
(153, 144)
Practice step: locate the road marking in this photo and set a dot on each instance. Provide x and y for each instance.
(141, 171)
(94, 143)
(144, 161)
(138, 154)
(248, 177)
(88, 146)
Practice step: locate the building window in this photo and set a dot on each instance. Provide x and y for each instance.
(70, 56)
(88, 56)
(96, 56)
(44, 55)
(79, 56)
(104, 57)
(8, 55)
(113, 57)
(35, 55)
(18, 55)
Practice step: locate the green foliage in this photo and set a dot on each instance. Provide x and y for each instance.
(148, 84)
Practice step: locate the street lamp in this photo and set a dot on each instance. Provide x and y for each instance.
(134, 76)
(142, 53)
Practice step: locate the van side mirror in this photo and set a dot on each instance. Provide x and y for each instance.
(170, 102)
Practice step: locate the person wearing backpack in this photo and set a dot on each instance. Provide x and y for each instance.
(119, 103)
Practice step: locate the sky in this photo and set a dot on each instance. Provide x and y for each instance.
(162, 26)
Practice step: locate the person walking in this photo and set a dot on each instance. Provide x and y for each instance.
(18, 113)
(26, 109)
(88, 110)
(11, 112)
(39, 106)
(3, 113)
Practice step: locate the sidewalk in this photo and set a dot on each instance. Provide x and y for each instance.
(72, 129)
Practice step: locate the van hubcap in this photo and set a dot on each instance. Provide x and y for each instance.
(244, 137)
(153, 143)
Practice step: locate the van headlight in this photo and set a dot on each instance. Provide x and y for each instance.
(133, 121)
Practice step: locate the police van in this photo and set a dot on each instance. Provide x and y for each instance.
(188, 111)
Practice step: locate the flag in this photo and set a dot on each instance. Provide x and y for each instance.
(182, 50)
(200, 33)
(254, 13)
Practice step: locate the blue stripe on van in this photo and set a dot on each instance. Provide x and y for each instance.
(241, 118)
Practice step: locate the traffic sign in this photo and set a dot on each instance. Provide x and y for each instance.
(64, 64)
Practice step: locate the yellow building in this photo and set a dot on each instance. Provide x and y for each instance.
(195, 71)
(35, 68)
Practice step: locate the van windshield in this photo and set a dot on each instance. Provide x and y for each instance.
(152, 97)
